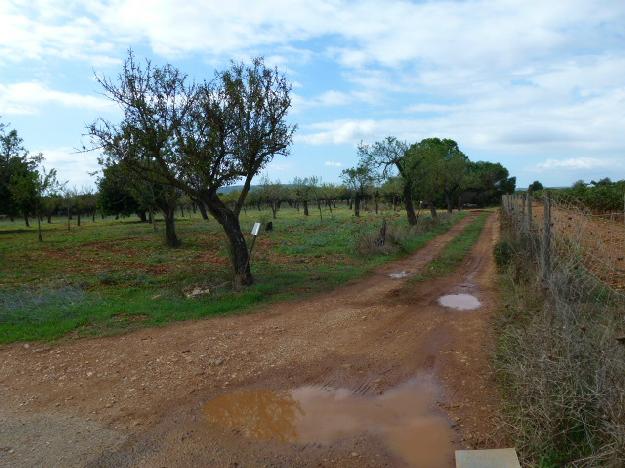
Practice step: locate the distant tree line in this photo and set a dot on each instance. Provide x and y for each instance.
(603, 195)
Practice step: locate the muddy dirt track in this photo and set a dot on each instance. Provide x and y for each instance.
(375, 373)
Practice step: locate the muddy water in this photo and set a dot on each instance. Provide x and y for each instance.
(399, 274)
(460, 301)
(406, 418)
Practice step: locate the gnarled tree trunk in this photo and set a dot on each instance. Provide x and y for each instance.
(202, 209)
(410, 213)
(238, 246)
(171, 239)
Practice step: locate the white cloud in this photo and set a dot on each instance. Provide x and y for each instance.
(72, 167)
(338, 132)
(513, 77)
(582, 163)
(331, 98)
(333, 164)
(447, 34)
(43, 29)
(28, 97)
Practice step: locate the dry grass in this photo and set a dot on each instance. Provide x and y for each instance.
(399, 237)
(560, 363)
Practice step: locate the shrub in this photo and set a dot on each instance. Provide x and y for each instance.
(503, 254)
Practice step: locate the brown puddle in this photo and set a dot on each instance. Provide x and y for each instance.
(406, 418)
(460, 301)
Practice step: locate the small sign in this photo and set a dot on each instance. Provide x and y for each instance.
(256, 229)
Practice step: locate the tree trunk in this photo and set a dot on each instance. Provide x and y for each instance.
(78, 219)
(319, 206)
(93, 216)
(181, 211)
(412, 217)
(202, 209)
(170, 226)
(69, 217)
(274, 208)
(433, 210)
(39, 227)
(49, 219)
(375, 200)
(350, 203)
(357, 205)
(450, 207)
(305, 207)
(238, 247)
(26, 220)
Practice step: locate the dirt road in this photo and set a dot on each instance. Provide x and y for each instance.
(376, 373)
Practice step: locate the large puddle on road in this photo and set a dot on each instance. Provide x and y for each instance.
(406, 418)
(460, 301)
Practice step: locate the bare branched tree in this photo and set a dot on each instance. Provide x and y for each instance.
(200, 138)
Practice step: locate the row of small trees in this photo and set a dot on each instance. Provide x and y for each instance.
(181, 142)
(24, 184)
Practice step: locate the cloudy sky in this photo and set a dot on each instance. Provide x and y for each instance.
(538, 85)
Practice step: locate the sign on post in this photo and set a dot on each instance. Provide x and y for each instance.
(254, 233)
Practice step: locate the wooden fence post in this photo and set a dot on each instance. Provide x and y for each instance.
(523, 214)
(546, 244)
(529, 212)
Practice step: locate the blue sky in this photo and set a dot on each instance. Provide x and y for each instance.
(538, 86)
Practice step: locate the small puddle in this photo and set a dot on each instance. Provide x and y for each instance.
(399, 274)
(460, 301)
(406, 418)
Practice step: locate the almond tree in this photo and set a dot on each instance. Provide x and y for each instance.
(46, 184)
(359, 180)
(237, 125)
(392, 155)
(201, 138)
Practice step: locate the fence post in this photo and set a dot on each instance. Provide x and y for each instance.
(546, 244)
(523, 214)
(529, 213)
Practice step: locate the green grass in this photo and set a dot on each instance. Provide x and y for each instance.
(114, 275)
(455, 251)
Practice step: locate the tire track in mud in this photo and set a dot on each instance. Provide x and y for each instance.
(361, 337)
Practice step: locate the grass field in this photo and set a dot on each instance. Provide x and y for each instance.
(456, 251)
(107, 276)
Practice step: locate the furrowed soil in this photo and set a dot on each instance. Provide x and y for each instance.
(374, 373)
(600, 241)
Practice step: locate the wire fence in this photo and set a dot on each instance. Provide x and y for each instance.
(571, 236)
(564, 359)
